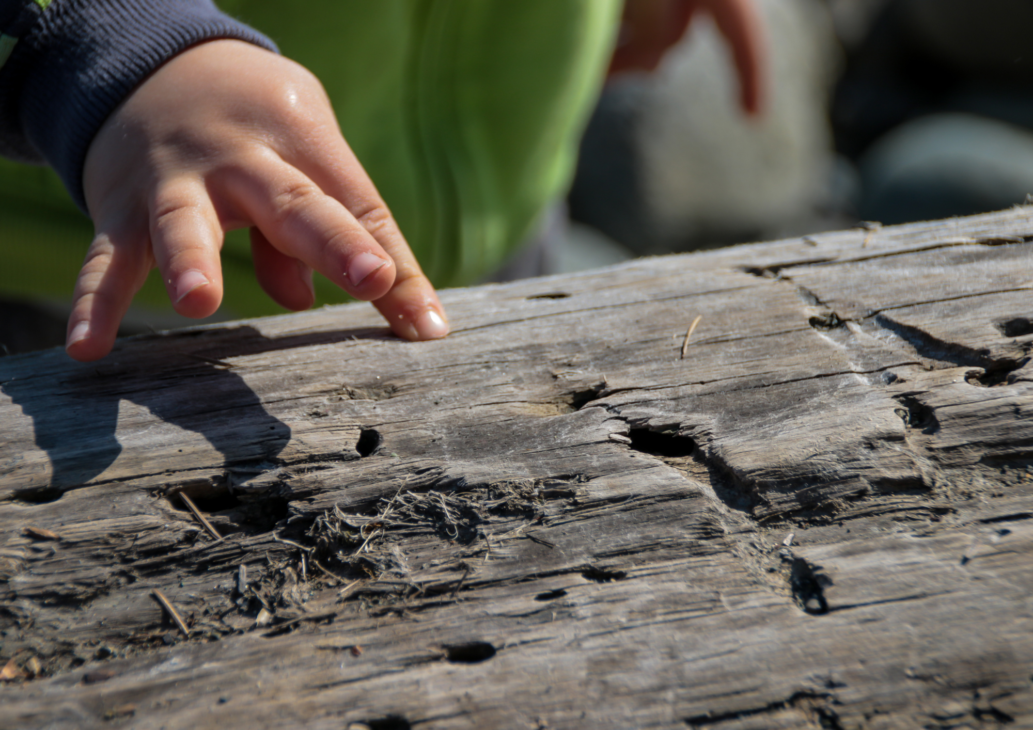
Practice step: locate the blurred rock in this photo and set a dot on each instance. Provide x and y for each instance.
(671, 163)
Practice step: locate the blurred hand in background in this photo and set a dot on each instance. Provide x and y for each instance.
(650, 27)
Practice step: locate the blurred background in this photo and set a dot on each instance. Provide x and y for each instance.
(877, 110)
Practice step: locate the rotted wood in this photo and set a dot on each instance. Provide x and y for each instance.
(815, 510)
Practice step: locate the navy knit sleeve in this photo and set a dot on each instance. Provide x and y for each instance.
(78, 60)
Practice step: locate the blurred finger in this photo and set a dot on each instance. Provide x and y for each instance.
(111, 276)
(648, 29)
(284, 278)
(740, 24)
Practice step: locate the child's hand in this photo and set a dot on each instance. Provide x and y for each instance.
(650, 27)
(223, 136)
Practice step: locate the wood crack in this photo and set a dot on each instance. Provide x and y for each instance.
(953, 354)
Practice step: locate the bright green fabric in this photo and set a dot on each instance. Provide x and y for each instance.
(466, 114)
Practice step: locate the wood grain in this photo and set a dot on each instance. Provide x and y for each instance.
(816, 512)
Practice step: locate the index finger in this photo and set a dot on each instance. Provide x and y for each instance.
(740, 24)
(411, 306)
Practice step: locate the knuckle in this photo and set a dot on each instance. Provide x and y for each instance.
(168, 214)
(376, 219)
(174, 206)
(98, 256)
(180, 234)
(290, 102)
(292, 198)
(183, 258)
(94, 280)
(345, 239)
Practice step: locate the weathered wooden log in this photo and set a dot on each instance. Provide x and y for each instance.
(815, 512)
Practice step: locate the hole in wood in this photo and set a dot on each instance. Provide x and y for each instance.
(998, 374)
(581, 398)
(602, 575)
(551, 595)
(369, 441)
(265, 514)
(551, 295)
(261, 513)
(766, 272)
(42, 495)
(207, 501)
(808, 583)
(659, 443)
(826, 322)
(913, 485)
(916, 414)
(472, 652)
(1015, 327)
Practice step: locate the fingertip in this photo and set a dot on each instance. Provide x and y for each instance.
(76, 341)
(83, 345)
(430, 325)
(420, 327)
(114, 270)
(752, 105)
(414, 313)
(194, 294)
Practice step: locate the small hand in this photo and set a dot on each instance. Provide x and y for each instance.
(227, 135)
(650, 27)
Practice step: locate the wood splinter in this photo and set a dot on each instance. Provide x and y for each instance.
(692, 328)
(326, 572)
(209, 528)
(38, 533)
(872, 227)
(171, 611)
(459, 585)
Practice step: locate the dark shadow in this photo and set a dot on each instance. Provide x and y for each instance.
(180, 377)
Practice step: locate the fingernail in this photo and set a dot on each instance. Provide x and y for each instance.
(362, 266)
(430, 326)
(80, 332)
(188, 282)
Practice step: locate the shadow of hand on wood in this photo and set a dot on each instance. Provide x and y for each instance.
(76, 419)
(180, 377)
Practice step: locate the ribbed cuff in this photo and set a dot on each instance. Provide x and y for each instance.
(88, 55)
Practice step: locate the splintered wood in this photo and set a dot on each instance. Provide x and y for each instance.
(547, 519)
